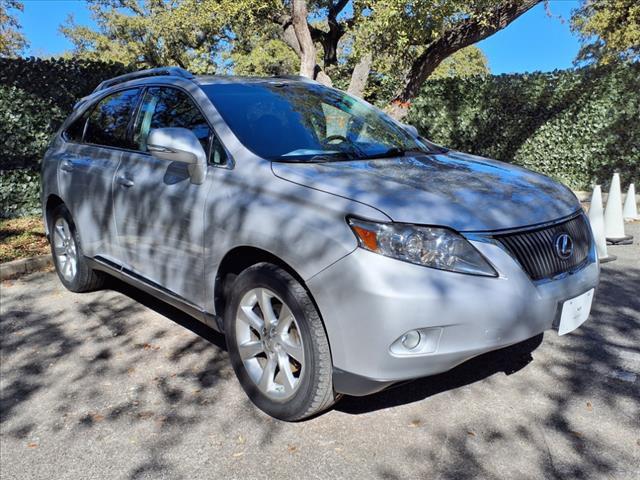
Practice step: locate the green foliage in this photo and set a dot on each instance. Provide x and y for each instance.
(19, 193)
(26, 130)
(12, 41)
(575, 126)
(610, 30)
(261, 54)
(255, 36)
(62, 81)
(467, 62)
(152, 33)
(385, 77)
(398, 31)
(35, 98)
(403, 28)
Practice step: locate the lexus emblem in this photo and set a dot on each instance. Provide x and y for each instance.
(564, 246)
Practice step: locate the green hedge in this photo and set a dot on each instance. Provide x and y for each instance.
(19, 192)
(578, 126)
(35, 97)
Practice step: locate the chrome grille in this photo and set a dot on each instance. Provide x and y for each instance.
(536, 251)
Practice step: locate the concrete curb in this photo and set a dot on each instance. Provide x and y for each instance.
(23, 266)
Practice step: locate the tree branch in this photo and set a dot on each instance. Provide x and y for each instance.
(465, 33)
(336, 8)
(330, 39)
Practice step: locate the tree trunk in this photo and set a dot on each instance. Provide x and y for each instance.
(303, 34)
(360, 75)
(463, 34)
(323, 78)
(289, 37)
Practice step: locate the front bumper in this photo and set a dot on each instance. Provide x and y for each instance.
(368, 301)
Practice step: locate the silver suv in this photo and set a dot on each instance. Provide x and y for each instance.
(337, 250)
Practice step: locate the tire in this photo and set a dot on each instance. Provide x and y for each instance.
(74, 273)
(300, 384)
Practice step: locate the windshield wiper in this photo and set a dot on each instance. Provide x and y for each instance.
(395, 152)
(391, 152)
(331, 157)
(317, 158)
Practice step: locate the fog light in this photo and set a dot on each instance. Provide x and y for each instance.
(417, 342)
(411, 340)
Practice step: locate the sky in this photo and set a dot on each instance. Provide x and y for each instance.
(534, 42)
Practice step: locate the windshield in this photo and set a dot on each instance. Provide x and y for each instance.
(308, 122)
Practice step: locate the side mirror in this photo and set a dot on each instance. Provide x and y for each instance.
(411, 129)
(179, 145)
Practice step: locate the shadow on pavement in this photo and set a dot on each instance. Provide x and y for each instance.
(58, 360)
(507, 360)
(174, 314)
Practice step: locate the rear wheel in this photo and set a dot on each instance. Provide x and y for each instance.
(71, 265)
(277, 344)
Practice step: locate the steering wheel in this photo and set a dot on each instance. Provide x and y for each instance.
(332, 138)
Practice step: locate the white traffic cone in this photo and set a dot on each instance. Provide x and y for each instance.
(613, 222)
(630, 210)
(596, 219)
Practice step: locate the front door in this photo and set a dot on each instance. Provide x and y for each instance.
(159, 212)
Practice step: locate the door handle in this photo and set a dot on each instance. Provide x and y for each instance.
(124, 181)
(66, 166)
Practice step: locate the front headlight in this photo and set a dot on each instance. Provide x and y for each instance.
(433, 247)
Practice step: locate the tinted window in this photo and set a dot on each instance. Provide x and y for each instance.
(293, 121)
(76, 130)
(169, 107)
(109, 120)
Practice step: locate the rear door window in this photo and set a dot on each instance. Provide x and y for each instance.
(109, 120)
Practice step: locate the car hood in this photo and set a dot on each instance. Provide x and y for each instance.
(461, 191)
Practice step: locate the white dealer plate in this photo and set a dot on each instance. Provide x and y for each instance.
(574, 312)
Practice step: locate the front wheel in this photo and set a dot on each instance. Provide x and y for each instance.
(71, 265)
(277, 344)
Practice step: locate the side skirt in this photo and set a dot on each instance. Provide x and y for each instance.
(137, 281)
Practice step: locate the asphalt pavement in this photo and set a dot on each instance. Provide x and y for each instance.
(115, 384)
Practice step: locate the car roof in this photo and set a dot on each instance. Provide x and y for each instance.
(130, 80)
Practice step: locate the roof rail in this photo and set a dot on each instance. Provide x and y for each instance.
(301, 78)
(151, 72)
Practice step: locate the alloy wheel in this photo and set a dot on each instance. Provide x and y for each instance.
(64, 246)
(270, 343)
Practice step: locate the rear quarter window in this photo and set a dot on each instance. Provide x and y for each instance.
(108, 122)
(75, 131)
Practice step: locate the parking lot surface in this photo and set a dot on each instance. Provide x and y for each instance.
(115, 384)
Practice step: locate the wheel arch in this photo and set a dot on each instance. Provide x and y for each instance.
(53, 201)
(242, 257)
(239, 259)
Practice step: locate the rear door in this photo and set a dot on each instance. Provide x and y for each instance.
(159, 212)
(87, 167)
